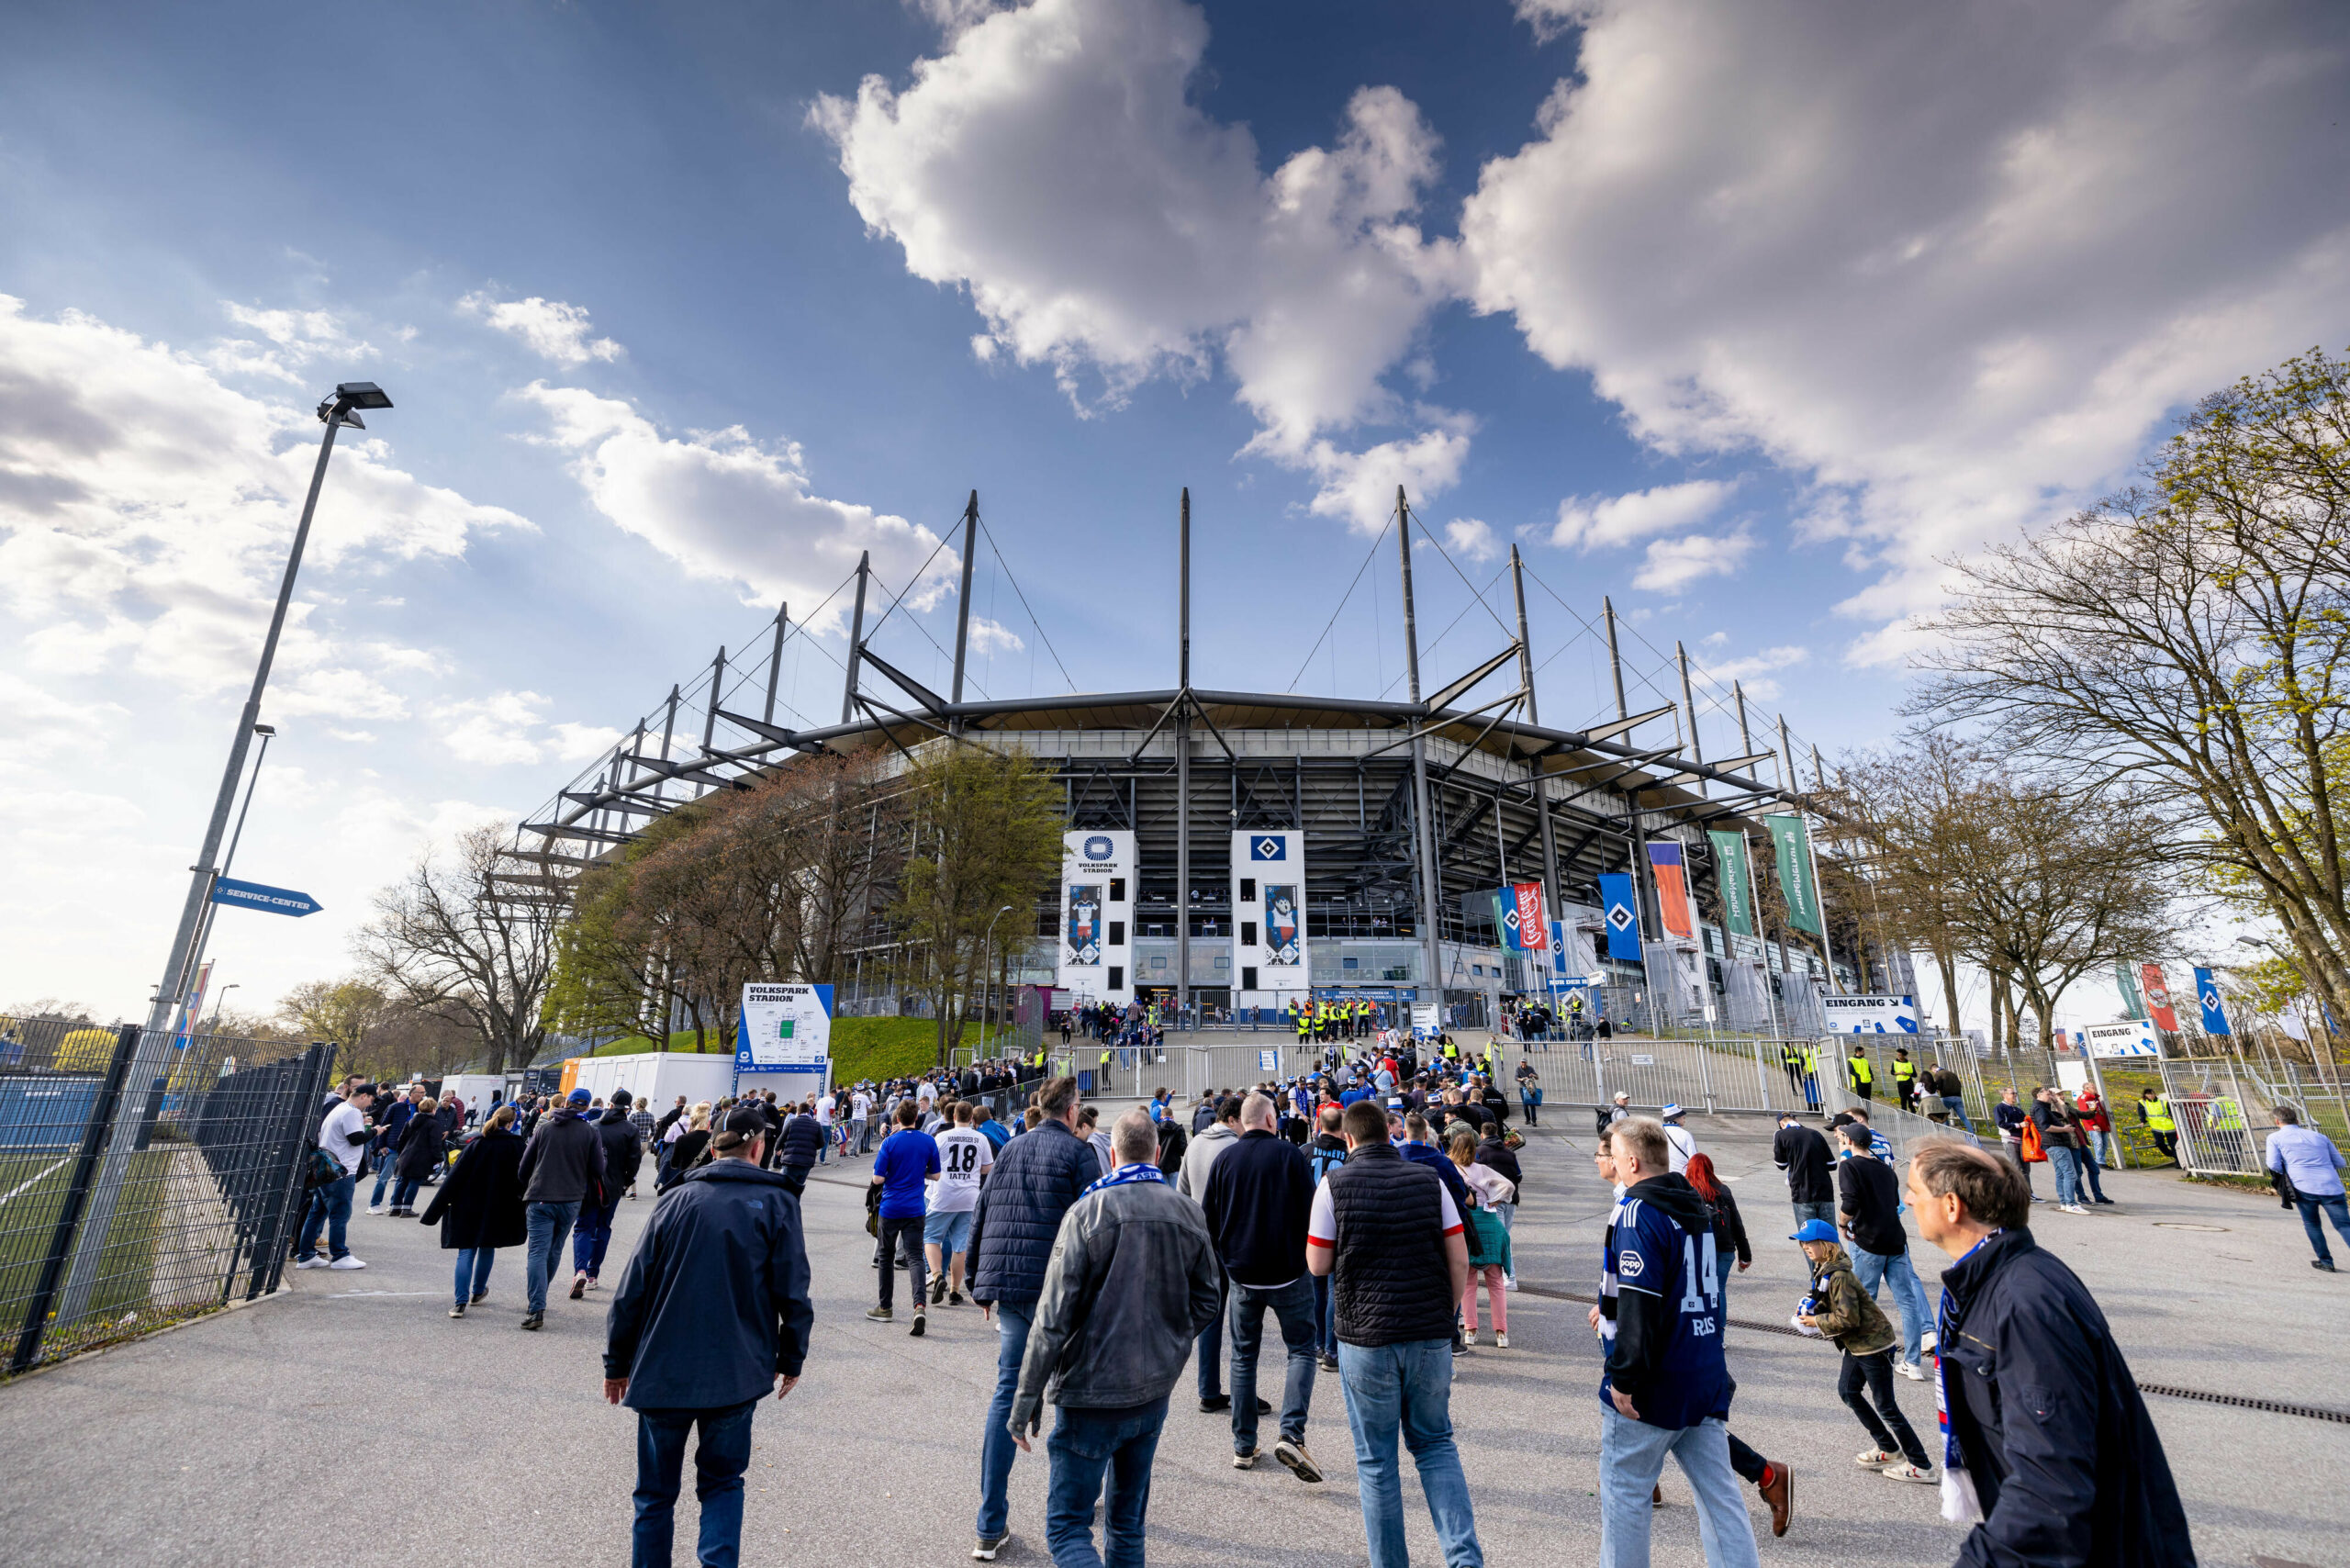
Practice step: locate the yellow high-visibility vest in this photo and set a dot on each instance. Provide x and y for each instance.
(1863, 1074)
(2157, 1114)
(1902, 1072)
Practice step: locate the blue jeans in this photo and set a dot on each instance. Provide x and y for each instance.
(1209, 1350)
(2092, 1173)
(1632, 1457)
(996, 1447)
(1825, 1211)
(1326, 1318)
(594, 1235)
(720, 1459)
(548, 1225)
(473, 1272)
(1085, 1445)
(2335, 1208)
(404, 1192)
(1956, 1106)
(1909, 1295)
(1406, 1389)
(2066, 1162)
(383, 1180)
(329, 1209)
(1292, 1308)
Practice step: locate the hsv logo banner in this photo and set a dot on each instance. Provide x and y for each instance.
(2157, 993)
(2215, 1012)
(1672, 886)
(1622, 918)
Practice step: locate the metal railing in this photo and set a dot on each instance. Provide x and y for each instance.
(203, 1213)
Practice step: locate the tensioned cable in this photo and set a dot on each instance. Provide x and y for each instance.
(1456, 621)
(912, 581)
(926, 637)
(1016, 588)
(1429, 533)
(1368, 556)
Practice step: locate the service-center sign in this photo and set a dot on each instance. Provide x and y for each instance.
(1870, 1014)
(785, 1028)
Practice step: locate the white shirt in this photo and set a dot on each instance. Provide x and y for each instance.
(1322, 1223)
(925, 1091)
(825, 1111)
(1681, 1146)
(334, 1135)
(964, 1156)
(861, 1106)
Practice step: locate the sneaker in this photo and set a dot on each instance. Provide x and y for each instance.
(1213, 1403)
(954, 1298)
(1509, 1282)
(309, 1262)
(1301, 1463)
(1245, 1461)
(1910, 1370)
(938, 1290)
(879, 1315)
(1875, 1459)
(534, 1320)
(1329, 1363)
(1779, 1494)
(1501, 1340)
(2072, 1208)
(346, 1261)
(921, 1322)
(2108, 1202)
(578, 1286)
(2324, 1265)
(1907, 1472)
(458, 1310)
(375, 1208)
(480, 1296)
(987, 1547)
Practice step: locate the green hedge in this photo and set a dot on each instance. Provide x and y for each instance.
(862, 1048)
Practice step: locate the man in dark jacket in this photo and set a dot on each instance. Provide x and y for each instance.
(800, 1140)
(2050, 1445)
(1385, 1230)
(1034, 1180)
(1259, 1195)
(712, 1311)
(561, 1169)
(618, 1133)
(1133, 1277)
(1804, 1156)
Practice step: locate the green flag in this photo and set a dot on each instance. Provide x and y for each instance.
(2133, 1006)
(1731, 877)
(1791, 845)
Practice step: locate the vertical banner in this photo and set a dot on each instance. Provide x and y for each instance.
(1519, 911)
(1731, 874)
(1269, 936)
(2215, 1015)
(2133, 1006)
(1097, 911)
(1622, 917)
(195, 1014)
(2157, 990)
(1790, 848)
(1672, 888)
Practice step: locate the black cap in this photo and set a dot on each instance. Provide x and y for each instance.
(746, 1122)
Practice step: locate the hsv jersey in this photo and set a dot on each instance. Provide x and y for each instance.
(1649, 1254)
(963, 1154)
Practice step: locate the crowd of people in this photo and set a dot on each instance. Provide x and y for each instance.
(1353, 1212)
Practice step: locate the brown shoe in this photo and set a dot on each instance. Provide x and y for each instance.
(1656, 1496)
(1779, 1491)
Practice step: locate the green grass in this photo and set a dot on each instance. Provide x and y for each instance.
(29, 1219)
(862, 1048)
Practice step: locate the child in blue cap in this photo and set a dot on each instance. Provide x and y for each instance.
(1839, 1310)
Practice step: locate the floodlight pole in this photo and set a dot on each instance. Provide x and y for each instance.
(1184, 764)
(1423, 830)
(205, 920)
(1553, 901)
(774, 659)
(856, 636)
(963, 599)
(148, 1060)
(1615, 663)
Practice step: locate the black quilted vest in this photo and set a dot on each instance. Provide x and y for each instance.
(1391, 1284)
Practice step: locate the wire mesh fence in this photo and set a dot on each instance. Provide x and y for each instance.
(139, 1187)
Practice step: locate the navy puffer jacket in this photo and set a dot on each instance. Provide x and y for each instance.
(801, 1140)
(1030, 1187)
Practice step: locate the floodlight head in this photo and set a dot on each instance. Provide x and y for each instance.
(361, 395)
(265, 729)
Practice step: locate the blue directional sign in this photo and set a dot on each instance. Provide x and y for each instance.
(269, 900)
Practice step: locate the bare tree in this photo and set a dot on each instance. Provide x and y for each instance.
(462, 941)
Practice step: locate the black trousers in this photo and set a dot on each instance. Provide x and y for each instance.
(903, 1235)
(1746, 1461)
(1887, 1425)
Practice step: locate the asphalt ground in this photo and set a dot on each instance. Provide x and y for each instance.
(351, 1420)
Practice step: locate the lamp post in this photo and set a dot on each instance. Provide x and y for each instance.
(212, 909)
(987, 956)
(220, 1002)
(147, 1065)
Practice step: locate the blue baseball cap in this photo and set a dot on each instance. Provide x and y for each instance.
(1816, 1230)
(580, 1097)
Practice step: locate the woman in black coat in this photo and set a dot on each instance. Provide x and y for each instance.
(422, 1144)
(479, 1208)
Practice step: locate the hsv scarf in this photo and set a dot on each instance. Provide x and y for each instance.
(1141, 1170)
(1960, 1503)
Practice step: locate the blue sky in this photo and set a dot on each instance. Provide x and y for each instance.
(1745, 314)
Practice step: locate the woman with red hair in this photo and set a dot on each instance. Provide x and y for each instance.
(1729, 1231)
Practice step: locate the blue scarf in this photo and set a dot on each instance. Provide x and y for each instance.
(1141, 1170)
(1961, 1505)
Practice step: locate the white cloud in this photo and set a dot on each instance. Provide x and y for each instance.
(548, 328)
(507, 727)
(993, 637)
(1591, 523)
(1050, 163)
(1359, 487)
(1951, 263)
(580, 743)
(294, 339)
(726, 506)
(1673, 563)
(146, 508)
(1747, 668)
(1473, 538)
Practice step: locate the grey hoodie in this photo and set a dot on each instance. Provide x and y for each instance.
(1193, 1182)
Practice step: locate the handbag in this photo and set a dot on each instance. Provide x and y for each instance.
(2028, 1139)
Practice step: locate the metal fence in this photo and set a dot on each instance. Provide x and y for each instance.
(126, 1206)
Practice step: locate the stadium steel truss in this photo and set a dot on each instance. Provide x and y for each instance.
(1414, 810)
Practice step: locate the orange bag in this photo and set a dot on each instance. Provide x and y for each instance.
(2034, 1153)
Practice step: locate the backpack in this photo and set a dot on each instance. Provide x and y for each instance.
(2029, 1141)
(323, 1170)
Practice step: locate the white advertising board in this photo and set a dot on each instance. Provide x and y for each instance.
(2133, 1039)
(1870, 1014)
(1268, 916)
(1097, 916)
(785, 1028)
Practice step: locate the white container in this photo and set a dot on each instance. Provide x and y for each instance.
(657, 1078)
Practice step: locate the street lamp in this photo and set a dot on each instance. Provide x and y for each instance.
(221, 1002)
(211, 911)
(986, 971)
(148, 1063)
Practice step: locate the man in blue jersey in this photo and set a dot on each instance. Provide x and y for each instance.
(1665, 1389)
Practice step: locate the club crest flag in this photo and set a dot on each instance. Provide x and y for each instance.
(2157, 990)
(1790, 848)
(1622, 916)
(2215, 1013)
(1524, 930)
(1732, 875)
(1672, 886)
